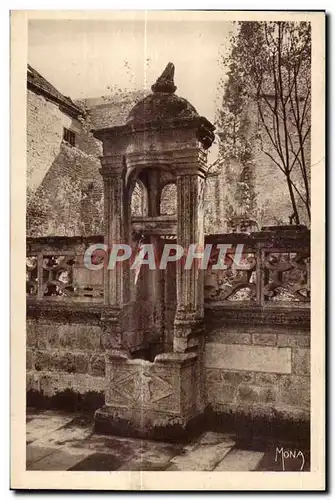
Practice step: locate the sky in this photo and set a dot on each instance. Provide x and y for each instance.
(82, 58)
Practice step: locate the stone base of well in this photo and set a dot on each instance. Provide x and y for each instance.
(152, 400)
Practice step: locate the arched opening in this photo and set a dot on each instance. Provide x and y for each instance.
(168, 203)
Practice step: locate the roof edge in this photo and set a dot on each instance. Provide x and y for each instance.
(64, 102)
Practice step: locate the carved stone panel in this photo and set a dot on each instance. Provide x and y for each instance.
(167, 386)
(31, 276)
(232, 283)
(287, 277)
(142, 385)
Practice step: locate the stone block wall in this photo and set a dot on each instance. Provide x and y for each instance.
(65, 364)
(259, 370)
(254, 371)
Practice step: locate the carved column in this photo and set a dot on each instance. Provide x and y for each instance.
(116, 230)
(156, 276)
(188, 329)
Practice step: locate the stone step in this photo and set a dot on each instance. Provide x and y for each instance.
(240, 460)
(34, 453)
(60, 460)
(41, 425)
(67, 435)
(210, 449)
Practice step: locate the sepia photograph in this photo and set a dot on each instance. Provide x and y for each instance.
(167, 220)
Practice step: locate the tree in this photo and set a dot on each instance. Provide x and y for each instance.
(270, 65)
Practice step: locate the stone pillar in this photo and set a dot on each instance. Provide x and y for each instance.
(189, 320)
(188, 328)
(116, 229)
(156, 276)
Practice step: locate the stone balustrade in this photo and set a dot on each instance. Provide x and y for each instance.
(263, 269)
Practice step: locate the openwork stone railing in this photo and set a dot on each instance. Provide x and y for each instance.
(276, 268)
(55, 270)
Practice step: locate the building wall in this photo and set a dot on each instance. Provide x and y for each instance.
(45, 124)
(261, 371)
(63, 181)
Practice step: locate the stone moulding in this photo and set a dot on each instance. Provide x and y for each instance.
(221, 312)
(201, 123)
(295, 240)
(60, 244)
(64, 311)
(247, 314)
(299, 240)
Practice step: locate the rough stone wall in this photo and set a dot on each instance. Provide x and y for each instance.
(260, 371)
(65, 364)
(65, 359)
(45, 124)
(63, 181)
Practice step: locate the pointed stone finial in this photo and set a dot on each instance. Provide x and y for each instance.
(165, 82)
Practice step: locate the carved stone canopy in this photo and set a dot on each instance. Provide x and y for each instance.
(163, 109)
(162, 105)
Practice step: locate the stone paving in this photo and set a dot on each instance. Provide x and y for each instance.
(58, 441)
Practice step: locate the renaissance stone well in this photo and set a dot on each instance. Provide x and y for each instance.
(164, 140)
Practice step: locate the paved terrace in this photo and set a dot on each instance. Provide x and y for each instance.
(58, 441)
